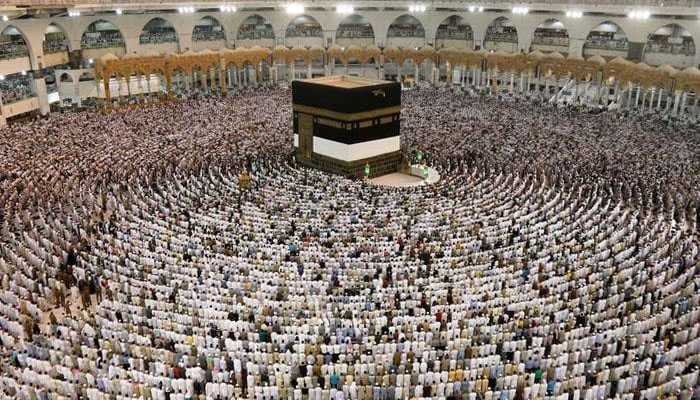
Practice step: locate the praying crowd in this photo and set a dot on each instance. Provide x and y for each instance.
(557, 257)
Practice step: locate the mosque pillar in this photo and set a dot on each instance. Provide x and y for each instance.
(684, 101)
(658, 101)
(148, 86)
(676, 101)
(228, 73)
(398, 74)
(528, 79)
(38, 84)
(141, 88)
(636, 97)
(3, 121)
(203, 81)
(128, 89)
(308, 71)
(629, 96)
(521, 84)
(416, 73)
(76, 93)
(292, 71)
(222, 80)
(211, 79)
(512, 81)
(651, 98)
(120, 96)
(168, 84)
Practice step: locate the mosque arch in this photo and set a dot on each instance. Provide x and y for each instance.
(101, 34)
(607, 39)
(454, 32)
(355, 29)
(501, 34)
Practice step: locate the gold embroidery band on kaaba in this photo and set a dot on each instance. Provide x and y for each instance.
(330, 122)
(347, 117)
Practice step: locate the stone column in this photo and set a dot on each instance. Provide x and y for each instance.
(120, 96)
(39, 87)
(629, 96)
(140, 88)
(521, 84)
(3, 121)
(308, 71)
(636, 97)
(658, 102)
(651, 99)
(684, 101)
(676, 102)
(222, 80)
(416, 73)
(203, 80)
(128, 89)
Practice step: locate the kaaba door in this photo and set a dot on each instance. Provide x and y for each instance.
(306, 135)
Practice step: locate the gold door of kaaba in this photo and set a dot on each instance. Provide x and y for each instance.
(306, 135)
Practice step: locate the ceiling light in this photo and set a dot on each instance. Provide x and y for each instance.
(228, 8)
(520, 10)
(2, 77)
(5, 18)
(472, 8)
(90, 61)
(73, 13)
(118, 11)
(345, 9)
(481, 9)
(416, 8)
(295, 8)
(574, 14)
(639, 14)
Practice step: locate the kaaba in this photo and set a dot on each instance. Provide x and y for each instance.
(343, 123)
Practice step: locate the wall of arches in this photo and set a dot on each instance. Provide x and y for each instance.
(493, 31)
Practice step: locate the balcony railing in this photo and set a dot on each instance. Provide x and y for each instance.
(54, 47)
(13, 96)
(102, 44)
(9, 51)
